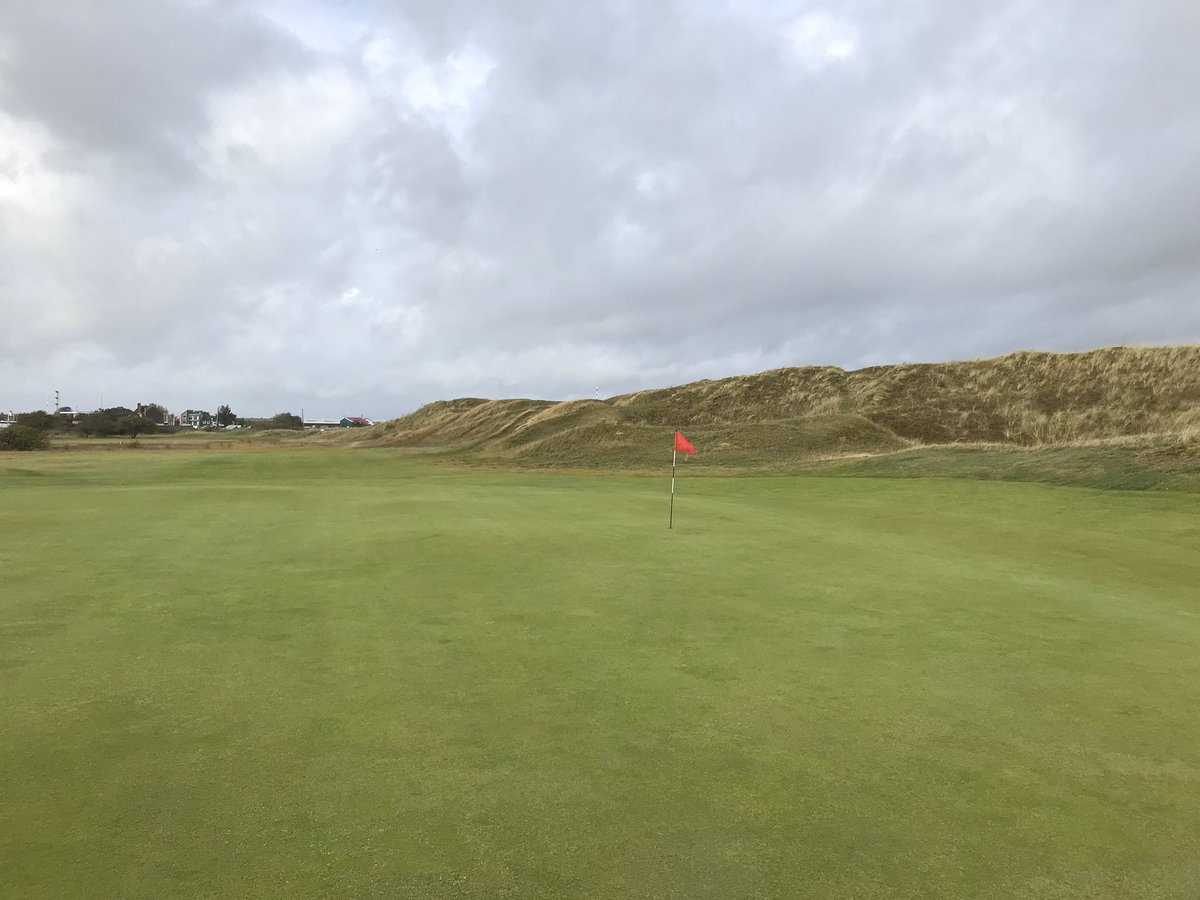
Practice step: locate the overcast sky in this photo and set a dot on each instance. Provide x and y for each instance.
(358, 207)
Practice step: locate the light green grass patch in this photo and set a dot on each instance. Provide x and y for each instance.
(355, 673)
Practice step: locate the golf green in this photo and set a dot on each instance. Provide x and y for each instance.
(336, 673)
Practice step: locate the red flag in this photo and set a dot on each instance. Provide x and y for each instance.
(681, 443)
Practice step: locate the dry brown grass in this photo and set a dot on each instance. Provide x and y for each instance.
(1148, 396)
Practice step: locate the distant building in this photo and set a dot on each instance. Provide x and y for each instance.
(343, 422)
(194, 418)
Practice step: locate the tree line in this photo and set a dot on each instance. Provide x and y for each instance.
(32, 430)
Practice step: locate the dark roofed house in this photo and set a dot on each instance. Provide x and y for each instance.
(355, 422)
(194, 418)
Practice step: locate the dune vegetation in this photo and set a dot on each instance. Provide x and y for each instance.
(1145, 400)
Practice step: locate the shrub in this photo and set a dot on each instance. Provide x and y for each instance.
(39, 419)
(23, 437)
(287, 420)
(134, 425)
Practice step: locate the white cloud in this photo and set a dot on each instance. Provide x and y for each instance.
(32, 191)
(819, 40)
(293, 126)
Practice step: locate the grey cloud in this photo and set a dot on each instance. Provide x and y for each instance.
(134, 78)
(380, 205)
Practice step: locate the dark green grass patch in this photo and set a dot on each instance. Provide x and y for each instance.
(354, 673)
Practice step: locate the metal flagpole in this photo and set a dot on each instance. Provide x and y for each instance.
(671, 521)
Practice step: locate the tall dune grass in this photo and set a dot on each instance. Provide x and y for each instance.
(1146, 394)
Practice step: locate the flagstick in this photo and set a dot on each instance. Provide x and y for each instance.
(671, 521)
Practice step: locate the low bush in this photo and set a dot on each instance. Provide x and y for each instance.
(23, 437)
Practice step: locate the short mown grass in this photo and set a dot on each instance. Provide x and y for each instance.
(320, 672)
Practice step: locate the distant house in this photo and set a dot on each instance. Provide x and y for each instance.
(343, 422)
(194, 418)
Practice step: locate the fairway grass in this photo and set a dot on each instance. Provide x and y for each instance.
(337, 673)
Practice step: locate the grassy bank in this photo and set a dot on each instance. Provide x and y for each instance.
(1149, 396)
